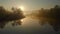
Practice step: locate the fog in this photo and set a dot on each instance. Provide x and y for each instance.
(43, 21)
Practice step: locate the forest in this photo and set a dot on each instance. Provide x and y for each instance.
(52, 16)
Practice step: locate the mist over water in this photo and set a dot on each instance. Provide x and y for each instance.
(34, 20)
(29, 25)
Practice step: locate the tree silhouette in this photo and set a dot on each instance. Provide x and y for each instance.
(52, 16)
(55, 14)
(6, 16)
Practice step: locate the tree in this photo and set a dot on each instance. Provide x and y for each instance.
(6, 16)
(52, 16)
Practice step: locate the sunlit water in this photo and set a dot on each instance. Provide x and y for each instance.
(29, 25)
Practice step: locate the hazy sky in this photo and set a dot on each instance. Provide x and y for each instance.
(29, 4)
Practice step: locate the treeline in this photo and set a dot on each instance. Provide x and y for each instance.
(51, 13)
(5, 15)
(52, 16)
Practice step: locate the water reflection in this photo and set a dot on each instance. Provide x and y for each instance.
(30, 25)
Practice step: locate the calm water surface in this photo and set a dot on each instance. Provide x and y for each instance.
(29, 25)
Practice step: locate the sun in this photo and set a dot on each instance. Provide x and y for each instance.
(22, 8)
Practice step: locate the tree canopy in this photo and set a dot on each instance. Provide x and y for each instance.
(6, 15)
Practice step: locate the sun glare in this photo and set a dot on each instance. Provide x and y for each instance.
(22, 20)
(22, 8)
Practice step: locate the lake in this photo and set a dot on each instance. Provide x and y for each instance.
(28, 25)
